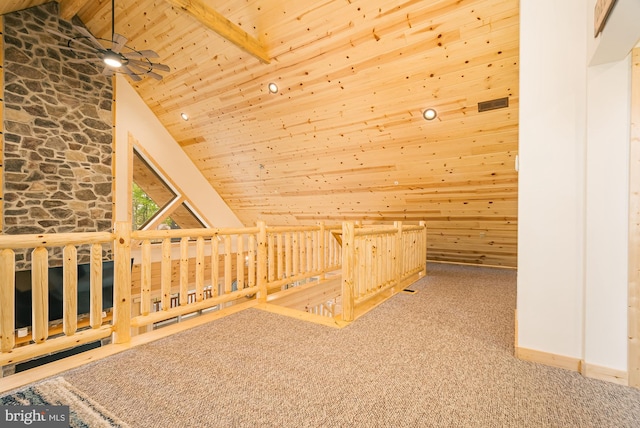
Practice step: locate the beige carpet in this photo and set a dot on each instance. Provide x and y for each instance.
(441, 357)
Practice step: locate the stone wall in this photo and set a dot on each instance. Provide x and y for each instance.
(57, 132)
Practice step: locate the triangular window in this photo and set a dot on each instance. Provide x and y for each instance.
(156, 203)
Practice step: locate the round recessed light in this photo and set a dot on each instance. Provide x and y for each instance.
(184, 116)
(429, 114)
(273, 88)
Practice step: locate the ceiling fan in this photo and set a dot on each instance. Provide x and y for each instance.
(114, 54)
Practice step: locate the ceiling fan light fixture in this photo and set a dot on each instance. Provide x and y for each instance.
(112, 59)
(113, 54)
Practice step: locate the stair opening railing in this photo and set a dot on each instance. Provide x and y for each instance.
(159, 275)
(379, 258)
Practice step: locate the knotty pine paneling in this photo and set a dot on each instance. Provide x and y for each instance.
(344, 138)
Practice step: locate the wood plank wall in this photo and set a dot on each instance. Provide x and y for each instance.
(344, 137)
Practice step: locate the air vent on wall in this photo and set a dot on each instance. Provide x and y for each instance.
(493, 104)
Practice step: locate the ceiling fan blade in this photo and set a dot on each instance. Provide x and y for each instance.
(118, 42)
(154, 75)
(160, 67)
(131, 74)
(89, 36)
(72, 42)
(59, 34)
(140, 64)
(147, 53)
(149, 65)
(83, 60)
(73, 49)
(145, 71)
(137, 68)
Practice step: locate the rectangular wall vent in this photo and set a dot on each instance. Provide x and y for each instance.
(493, 104)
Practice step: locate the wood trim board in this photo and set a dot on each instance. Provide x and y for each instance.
(633, 311)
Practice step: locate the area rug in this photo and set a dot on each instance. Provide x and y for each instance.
(83, 411)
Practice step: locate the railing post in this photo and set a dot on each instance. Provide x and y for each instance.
(348, 270)
(424, 246)
(262, 261)
(122, 283)
(321, 251)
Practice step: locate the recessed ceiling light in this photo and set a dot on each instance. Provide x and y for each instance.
(429, 114)
(184, 116)
(273, 88)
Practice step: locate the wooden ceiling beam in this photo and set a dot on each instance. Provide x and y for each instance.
(225, 28)
(69, 8)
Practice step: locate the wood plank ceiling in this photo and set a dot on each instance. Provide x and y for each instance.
(344, 137)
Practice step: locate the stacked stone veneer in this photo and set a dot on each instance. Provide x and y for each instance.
(57, 133)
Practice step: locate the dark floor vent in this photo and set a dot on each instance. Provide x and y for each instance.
(493, 104)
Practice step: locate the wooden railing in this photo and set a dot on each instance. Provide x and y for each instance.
(298, 253)
(179, 272)
(377, 259)
(71, 336)
(227, 265)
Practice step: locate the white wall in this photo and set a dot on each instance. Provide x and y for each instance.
(551, 177)
(573, 191)
(132, 115)
(607, 214)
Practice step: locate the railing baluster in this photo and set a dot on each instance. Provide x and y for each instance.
(423, 247)
(372, 267)
(309, 251)
(215, 265)
(271, 257)
(262, 261)
(145, 278)
(7, 299)
(348, 272)
(95, 281)
(40, 294)
(395, 256)
(199, 269)
(184, 271)
(252, 260)
(70, 290)
(240, 262)
(287, 254)
(296, 254)
(322, 260)
(227, 265)
(279, 256)
(165, 272)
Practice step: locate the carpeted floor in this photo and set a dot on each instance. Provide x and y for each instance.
(441, 357)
